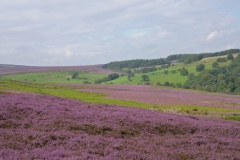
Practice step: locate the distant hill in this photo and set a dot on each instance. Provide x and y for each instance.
(186, 58)
(189, 58)
(219, 74)
(14, 69)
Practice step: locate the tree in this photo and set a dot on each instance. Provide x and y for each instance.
(230, 56)
(74, 75)
(184, 72)
(166, 72)
(200, 67)
(215, 65)
(145, 78)
(129, 77)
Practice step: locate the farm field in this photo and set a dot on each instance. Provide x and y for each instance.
(36, 126)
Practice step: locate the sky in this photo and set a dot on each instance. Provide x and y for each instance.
(86, 32)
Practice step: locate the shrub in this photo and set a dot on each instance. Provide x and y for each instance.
(87, 82)
(215, 65)
(166, 72)
(178, 85)
(166, 83)
(74, 75)
(200, 67)
(147, 83)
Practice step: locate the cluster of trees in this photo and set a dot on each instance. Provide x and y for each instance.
(224, 79)
(165, 84)
(146, 70)
(118, 65)
(200, 67)
(130, 74)
(189, 58)
(145, 77)
(108, 78)
(183, 71)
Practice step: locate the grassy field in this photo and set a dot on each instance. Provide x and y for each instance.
(55, 77)
(159, 76)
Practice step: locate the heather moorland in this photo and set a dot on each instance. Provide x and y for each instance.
(45, 127)
(58, 113)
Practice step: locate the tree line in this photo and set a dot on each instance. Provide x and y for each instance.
(130, 64)
(189, 58)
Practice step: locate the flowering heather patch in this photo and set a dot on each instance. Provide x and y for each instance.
(164, 96)
(45, 127)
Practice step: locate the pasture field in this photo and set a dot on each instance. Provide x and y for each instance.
(159, 76)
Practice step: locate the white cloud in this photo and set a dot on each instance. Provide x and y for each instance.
(212, 35)
(68, 53)
(219, 34)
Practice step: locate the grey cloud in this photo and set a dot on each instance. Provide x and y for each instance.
(60, 32)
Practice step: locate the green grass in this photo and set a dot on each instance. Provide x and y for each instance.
(234, 118)
(55, 77)
(159, 76)
(97, 98)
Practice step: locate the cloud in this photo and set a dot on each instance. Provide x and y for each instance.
(229, 47)
(212, 35)
(76, 32)
(216, 34)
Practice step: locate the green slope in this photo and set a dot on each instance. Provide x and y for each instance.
(159, 76)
